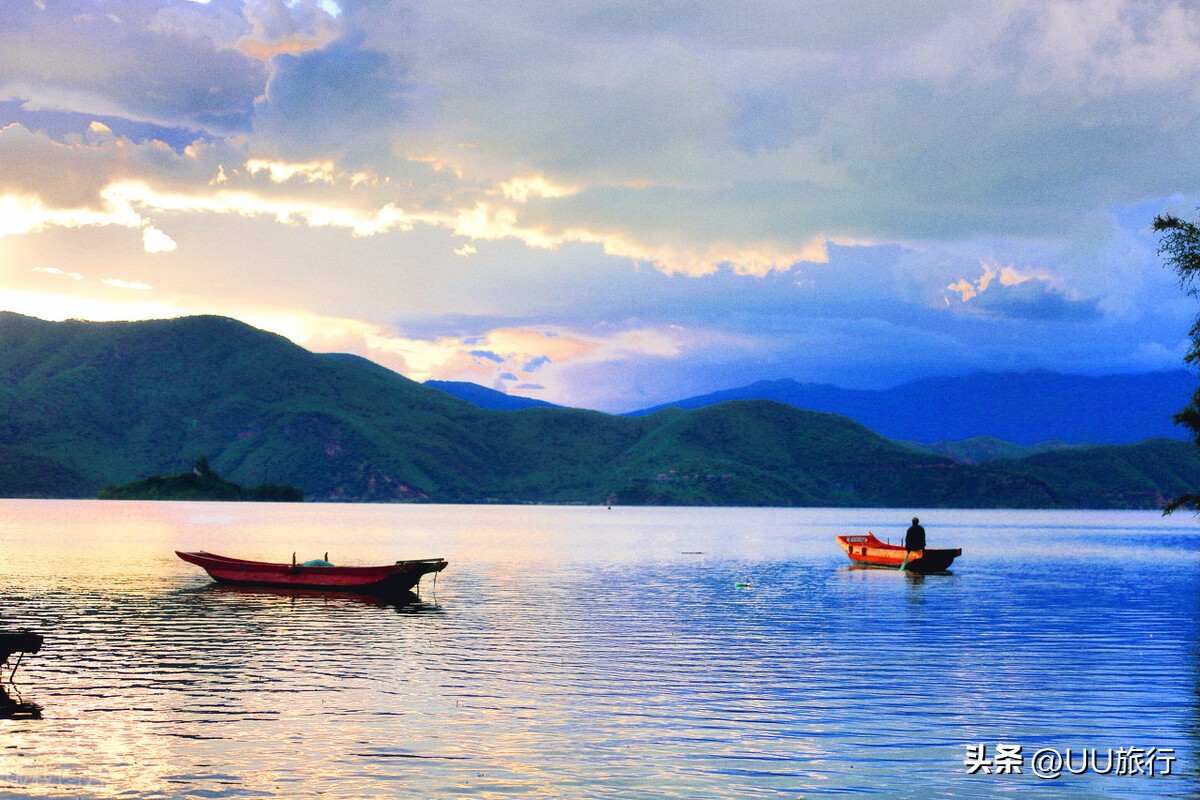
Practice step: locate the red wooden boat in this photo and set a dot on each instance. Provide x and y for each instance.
(867, 551)
(388, 579)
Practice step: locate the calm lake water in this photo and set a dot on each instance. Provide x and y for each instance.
(593, 653)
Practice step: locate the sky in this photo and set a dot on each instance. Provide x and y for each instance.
(614, 204)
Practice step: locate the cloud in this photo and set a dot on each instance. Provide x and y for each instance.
(62, 125)
(121, 284)
(486, 354)
(327, 100)
(703, 140)
(692, 139)
(23, 215)
(510, 350)
(122, 59)
(56, 271)
(943, 124)
(60, 306)
(103, 180)
(1108, 46)
(126, 184)
(1037, 300)
(155, 241)
(288, 28)
(1010, 293)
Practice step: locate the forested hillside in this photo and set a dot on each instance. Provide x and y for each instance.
(86, 405)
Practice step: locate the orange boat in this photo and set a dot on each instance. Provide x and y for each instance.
(867, 551)
(319, 574)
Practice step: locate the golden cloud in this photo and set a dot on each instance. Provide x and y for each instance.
(520, 189)
(1008, 276)
(313, 193)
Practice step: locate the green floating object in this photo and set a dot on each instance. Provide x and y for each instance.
(741, 585)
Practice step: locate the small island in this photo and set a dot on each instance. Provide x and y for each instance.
(201, 484)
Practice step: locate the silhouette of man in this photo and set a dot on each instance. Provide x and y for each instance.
(914, 537)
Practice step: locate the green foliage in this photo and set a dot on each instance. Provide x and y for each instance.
(1180, 248)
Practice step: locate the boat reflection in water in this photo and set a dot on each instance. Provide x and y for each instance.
(406, 602)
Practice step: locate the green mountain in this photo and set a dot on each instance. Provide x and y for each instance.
(759, 452)
(115, 402)
(85, 405)
(1143, 475)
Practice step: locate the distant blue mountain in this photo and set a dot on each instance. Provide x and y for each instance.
(488, 399)
(1025, 408)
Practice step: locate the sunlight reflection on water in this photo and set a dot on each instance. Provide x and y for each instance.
(579, 652)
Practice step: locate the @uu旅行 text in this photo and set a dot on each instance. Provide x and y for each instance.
(1051, 763)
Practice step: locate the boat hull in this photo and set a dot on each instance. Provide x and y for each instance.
(388, 579)
(868, 551)
(19, 642)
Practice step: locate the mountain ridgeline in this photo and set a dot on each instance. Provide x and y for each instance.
(489, 399)
(84, 406)
(1026, 408)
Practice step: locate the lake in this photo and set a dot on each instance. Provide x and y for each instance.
(584, 652)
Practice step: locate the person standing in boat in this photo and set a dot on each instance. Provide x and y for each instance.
(914, 537)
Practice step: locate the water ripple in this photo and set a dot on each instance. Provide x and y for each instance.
(589, 671)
